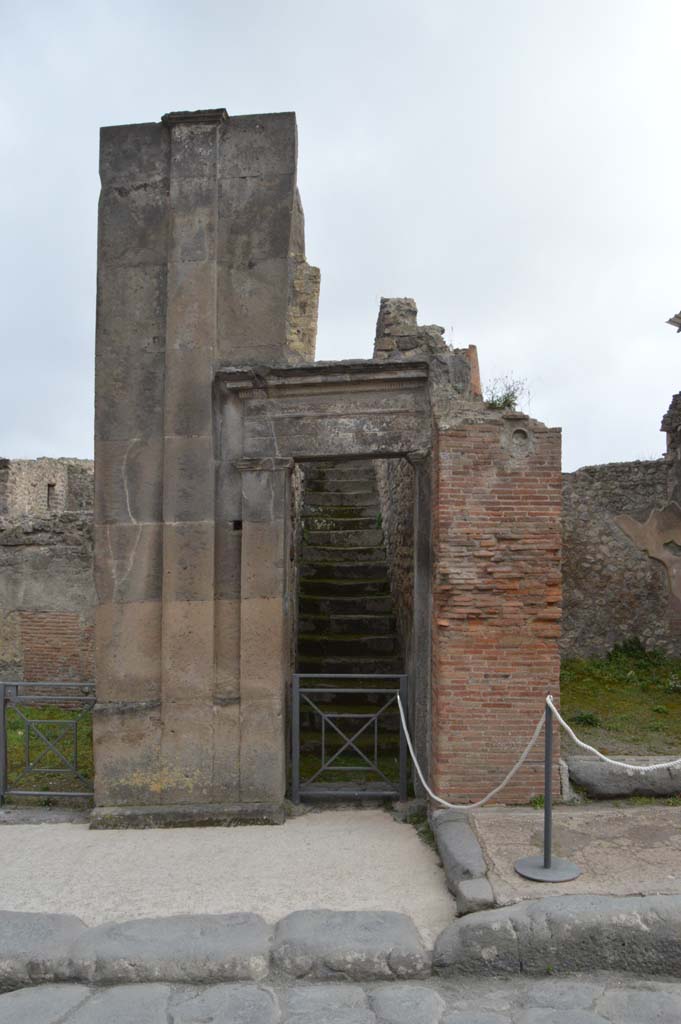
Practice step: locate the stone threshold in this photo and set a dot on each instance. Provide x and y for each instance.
(187, 816)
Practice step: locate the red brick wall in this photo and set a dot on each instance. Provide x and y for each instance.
(57, 647)
(496, 603)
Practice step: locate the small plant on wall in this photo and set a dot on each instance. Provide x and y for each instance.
(506, 392)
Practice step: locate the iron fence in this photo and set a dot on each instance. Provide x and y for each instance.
(338, 724)
(33, 747)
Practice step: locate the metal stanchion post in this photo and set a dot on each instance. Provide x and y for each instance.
(547, 868)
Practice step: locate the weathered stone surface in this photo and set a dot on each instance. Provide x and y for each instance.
(44, 1004)
(129, 484)
(559, 993)
(130, 153)
(662, 1005)
(590, 999)
(484, 943)
(34, 947)
(224, 1004)
(569, 933)
(129, 567)
(129, 671)
(358, 945)
(613, 589)
(605, 782)
(459, 849)
(187, 816)
(406, 1003)
(473, 1017)
(472, 895)
(255, 145)
(127, 738)
(143, 1004)
(185, 948)
(562, 1016)
(337, 1003)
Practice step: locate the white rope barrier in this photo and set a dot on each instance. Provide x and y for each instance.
(609, 760)
(497, 789)
(523, 758)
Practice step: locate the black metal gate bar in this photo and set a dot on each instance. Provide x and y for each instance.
(306, 693)
(79, 697)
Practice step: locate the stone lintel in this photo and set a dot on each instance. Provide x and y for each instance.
(326, 374)
(175, 117)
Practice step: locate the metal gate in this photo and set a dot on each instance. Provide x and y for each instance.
(348, 741)
(44, 728)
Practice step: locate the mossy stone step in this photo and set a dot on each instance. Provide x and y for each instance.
(337, 512)
(342, 644)
(370, 625)
(315, 553)
(358, 604)
(344, 538)
(330, 589)
(344, 571)
(348, 483)
(341, 499)
(369, 666)
(351, 470)
(357, 524)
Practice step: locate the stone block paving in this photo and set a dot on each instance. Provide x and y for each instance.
(587, 999)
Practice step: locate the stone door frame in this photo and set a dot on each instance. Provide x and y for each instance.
(342, 412)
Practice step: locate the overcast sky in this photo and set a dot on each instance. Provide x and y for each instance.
(513, 165)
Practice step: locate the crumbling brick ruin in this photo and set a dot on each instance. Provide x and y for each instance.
(47, 592)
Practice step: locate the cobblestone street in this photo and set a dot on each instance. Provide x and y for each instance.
(586, 999)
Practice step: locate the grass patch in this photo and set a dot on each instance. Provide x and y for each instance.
(419, 821)
(628, 702)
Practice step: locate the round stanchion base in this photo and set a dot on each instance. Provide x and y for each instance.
(561, 870)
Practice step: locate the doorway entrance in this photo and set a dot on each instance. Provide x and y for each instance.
(350, 661)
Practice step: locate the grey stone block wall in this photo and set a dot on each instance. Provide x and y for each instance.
(613, 590)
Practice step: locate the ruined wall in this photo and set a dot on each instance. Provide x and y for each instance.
(35, 487)
(46, 574)
(395, 478)
(671, 425)
(613, 589)
(454, 373)
(400, 337)
(304, 284)
(47, 598)
(497, 588)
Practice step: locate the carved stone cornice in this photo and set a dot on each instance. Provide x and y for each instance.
(175, 117)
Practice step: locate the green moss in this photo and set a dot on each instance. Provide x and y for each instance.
(419, 821)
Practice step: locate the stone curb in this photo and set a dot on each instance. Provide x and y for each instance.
(566, 934)
(359, 945)
(210, 948)
(463, 861)
(562, 934)
(605, 782)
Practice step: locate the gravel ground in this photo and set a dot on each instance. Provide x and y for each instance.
(338, 860)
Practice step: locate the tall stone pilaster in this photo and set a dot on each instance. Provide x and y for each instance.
(200, 249)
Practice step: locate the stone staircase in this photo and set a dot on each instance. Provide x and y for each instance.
(346, 622)
(346, 625)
